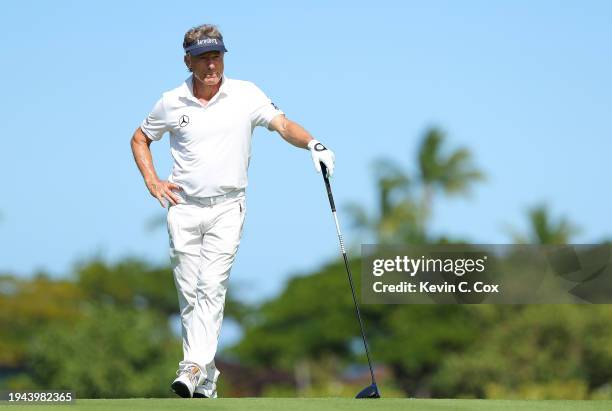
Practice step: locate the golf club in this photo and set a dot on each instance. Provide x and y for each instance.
(370, 391)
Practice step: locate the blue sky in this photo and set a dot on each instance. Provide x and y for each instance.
(526, 86)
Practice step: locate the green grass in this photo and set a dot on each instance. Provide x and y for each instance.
(318, 404)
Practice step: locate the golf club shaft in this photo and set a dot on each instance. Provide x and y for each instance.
(348, 269)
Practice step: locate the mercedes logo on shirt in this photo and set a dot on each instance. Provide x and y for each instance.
(183, 121)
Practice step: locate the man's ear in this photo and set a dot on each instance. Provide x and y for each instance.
(187, 60)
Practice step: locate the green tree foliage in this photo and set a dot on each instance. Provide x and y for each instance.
(452, 173)
(405, 201)
(544, 229)
(560, 351)
(128, 283)
(415, 339)
(27, 304)
(110, 352)
(134, 283)
(103, 331)
(313, 318)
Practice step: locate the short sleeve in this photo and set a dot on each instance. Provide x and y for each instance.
(155, 125)
(263, 110)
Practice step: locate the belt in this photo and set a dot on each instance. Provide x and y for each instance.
(210, 201)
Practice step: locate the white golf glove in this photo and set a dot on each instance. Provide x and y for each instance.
(321, 154)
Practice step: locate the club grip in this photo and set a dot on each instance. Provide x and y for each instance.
(328, 187)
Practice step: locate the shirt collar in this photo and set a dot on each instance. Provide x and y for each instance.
(188, 87)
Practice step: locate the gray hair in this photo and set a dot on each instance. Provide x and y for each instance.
(199, 32)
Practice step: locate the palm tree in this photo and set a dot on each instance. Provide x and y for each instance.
(397, 215)
(401, 215)
(544, 230)
(452, 174)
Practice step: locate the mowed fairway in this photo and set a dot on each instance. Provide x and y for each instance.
(318, 404)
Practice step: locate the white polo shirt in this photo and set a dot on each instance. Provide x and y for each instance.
(210, 145)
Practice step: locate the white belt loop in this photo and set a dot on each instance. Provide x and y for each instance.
(210, 201)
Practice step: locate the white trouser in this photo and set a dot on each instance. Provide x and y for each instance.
(204, 238)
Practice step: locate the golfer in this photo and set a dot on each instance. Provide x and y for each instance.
(210, 119)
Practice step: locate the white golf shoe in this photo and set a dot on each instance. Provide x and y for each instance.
(206, 390)
(187, 380)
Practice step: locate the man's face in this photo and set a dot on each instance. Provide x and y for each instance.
(207, 67)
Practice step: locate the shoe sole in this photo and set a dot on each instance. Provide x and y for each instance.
(198, 395)
(181, 389)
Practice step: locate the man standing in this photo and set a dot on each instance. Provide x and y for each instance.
(210, 119)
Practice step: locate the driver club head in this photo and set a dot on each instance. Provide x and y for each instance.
(370, 391)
